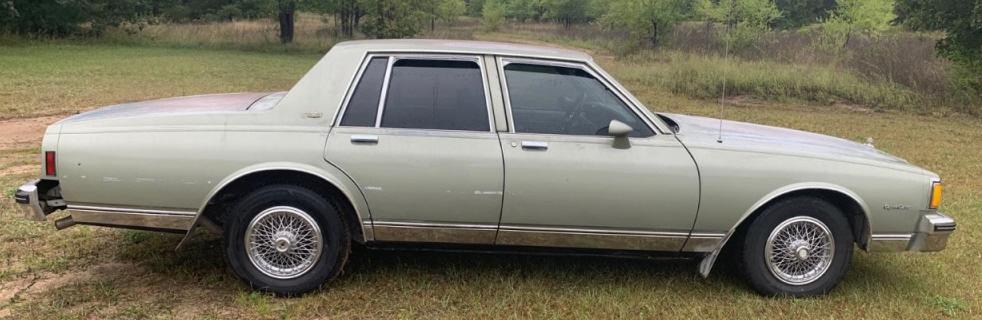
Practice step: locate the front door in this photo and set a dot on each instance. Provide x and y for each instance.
(416, 137)
(567, 185)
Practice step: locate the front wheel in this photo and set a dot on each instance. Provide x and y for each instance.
(797, 247)
(286, 239)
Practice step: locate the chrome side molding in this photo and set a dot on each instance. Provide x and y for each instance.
(563, 237)
(399, 231)
(544, 236)
(140, 218)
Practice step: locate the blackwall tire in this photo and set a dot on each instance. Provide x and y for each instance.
(286, 239)
(797, 247)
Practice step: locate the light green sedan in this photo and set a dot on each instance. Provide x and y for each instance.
(483, 146)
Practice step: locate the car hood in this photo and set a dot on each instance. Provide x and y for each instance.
(179, 105)
(701, 130)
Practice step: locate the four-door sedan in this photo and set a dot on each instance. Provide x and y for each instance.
(486, 146)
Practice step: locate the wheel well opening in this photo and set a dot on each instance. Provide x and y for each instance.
(849, 207)
(220, 205)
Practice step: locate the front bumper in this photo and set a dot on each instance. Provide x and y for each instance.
(29, 201)
(933, 231)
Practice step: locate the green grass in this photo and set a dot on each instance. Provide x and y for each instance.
(89, 272)
(65, 78)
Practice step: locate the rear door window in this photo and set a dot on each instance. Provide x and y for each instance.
(436, 94)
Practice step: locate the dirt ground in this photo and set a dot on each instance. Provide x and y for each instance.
(24, 132)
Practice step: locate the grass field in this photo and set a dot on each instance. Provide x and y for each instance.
(88, 272)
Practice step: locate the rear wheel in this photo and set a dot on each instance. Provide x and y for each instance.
(798, 247)
(286, 239)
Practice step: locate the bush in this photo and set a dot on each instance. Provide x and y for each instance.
(492, 15)
(702, 77)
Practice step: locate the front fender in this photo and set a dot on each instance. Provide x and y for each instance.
(706, 265)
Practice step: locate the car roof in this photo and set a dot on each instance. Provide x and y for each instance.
(462, 46)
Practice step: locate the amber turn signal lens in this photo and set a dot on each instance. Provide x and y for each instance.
(935, 195)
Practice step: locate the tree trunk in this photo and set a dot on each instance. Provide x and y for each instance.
(287, 13)
(654, 33)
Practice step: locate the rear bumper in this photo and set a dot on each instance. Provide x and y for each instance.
(28, 200)
(933, 231)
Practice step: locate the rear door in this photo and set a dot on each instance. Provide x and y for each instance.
(566, 183)
(416, 136)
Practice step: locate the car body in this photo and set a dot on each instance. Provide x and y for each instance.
(476, 144)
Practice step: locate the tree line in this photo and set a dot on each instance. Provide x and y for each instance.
(644, 20)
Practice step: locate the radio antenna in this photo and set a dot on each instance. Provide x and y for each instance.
(722, 97)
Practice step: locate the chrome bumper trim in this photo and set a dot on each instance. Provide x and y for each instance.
(889, 242)
(932, 233)
(27, 199)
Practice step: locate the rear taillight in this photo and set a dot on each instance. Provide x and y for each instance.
(49, 163)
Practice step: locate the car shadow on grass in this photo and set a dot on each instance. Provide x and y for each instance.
(200, 263)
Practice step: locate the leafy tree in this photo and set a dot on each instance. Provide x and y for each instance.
(525, 10)
(347, 13)
(868, 16)
(961, 20)
(475, 8)
(745, 20)
(645, 19)
(66, 17)
(567, 12)
(391, 18)
(448, 10)
(797, 13)
(492, 15)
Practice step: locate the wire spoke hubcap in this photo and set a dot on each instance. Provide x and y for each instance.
(283, 242)
(800, 250)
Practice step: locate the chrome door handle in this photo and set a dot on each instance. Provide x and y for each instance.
(364, 138)
(535, 145)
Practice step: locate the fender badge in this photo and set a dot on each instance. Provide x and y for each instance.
(896, 207)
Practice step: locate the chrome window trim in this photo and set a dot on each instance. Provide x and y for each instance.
(385, 91)
(588, 68)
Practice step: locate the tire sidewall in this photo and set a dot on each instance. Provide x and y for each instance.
(335, 238)
(754, 257)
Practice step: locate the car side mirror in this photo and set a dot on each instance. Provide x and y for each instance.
(620, 132)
